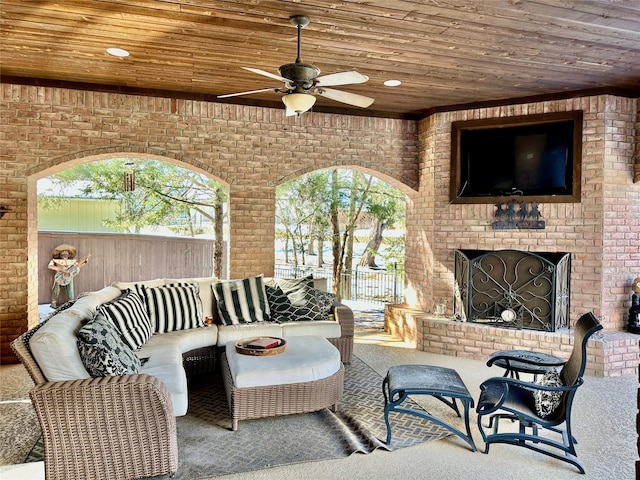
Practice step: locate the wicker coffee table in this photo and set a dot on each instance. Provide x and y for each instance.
(307, 376)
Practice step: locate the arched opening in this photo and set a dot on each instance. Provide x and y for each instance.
(346, 226)
(114, 250)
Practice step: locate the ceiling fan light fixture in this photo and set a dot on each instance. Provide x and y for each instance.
(299, 102)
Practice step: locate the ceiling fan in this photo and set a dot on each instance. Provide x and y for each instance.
(302, 83)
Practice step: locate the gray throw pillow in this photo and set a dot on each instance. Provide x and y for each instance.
(102, 350)
(325, 302)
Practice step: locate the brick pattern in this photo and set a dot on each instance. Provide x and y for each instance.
(636, 169)
(601, 232)
(608, 354)
(44, 130)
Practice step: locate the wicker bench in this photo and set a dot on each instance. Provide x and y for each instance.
(306, 377)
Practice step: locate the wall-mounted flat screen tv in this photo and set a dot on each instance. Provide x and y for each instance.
(533, 158)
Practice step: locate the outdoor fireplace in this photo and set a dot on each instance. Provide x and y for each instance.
(511, 288)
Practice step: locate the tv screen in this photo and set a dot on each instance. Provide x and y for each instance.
(536, 157)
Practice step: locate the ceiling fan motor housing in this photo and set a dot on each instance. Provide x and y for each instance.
(300, 74)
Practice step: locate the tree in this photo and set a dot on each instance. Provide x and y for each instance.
(385, 206)
(329, 205)
(301, 212)
(165, 195)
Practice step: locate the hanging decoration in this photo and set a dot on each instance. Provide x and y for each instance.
(129, 178)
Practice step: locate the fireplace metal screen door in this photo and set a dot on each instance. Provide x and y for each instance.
(532, 286)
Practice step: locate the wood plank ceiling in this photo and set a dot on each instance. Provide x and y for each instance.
(446, 53)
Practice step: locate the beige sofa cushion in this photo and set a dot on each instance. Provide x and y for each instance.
(164, 361)
(322, 328)
(54, 345)
(233, 333)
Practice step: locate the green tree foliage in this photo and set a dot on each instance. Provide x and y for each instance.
(330, 205)
(302, 212)
(385, 207)
(165, 195)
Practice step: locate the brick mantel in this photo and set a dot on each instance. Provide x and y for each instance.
(601, 232)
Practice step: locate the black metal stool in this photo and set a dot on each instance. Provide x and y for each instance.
(439, 382)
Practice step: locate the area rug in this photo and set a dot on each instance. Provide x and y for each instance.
(208, 447)
(19, 428)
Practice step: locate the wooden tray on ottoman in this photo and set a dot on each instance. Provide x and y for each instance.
(246, 346)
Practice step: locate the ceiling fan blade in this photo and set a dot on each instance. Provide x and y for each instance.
(266, 74)
(345, 97)
(249, 92)
(341, 78)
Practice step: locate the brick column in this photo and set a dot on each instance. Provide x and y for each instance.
(252, 234)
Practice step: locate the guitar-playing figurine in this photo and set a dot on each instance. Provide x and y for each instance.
(66, 266)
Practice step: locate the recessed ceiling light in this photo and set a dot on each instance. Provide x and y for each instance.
(117, 52)
(392, 83)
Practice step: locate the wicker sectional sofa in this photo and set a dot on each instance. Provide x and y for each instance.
(123, 426)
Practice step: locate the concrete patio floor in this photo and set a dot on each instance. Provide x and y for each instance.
(604, 422)
(604, 419)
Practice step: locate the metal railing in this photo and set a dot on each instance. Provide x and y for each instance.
(376, 287)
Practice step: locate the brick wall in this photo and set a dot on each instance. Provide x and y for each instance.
(44, 130)
(601, 232)
(636, 174)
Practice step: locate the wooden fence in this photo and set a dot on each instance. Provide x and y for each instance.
(124, 257)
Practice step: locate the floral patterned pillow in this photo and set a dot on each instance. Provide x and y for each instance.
(547, 402)
(102, 350)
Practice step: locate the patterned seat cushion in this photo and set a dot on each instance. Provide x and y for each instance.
(546, 402)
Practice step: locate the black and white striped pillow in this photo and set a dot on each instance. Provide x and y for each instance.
(174, 307)
(128, 314)
(242, 301)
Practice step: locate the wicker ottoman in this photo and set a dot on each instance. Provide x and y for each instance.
(306, 377)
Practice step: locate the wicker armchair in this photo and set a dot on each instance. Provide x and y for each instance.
(344, 343)
(112, 427)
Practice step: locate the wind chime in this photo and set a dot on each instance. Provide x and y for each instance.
(129, 178)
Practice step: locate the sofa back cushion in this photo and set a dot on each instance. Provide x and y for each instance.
(54, 345)
(129, 315)
(242, 301)
(174, 307)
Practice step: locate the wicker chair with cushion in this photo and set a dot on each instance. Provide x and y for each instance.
(541, 410)
(111, 427)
